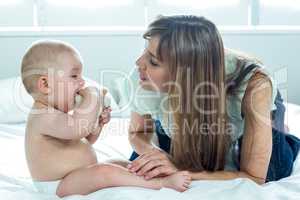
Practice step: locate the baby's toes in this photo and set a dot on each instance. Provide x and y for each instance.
(186, 185)
(181, 189)
(184, 188)
(187, 179)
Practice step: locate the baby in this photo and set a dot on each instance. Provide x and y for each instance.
(60, 132)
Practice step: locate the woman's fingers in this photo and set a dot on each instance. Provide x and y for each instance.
(162, 170)
(142, 160)
(139, 160)
(149, 166)
(149, 161)
(134, 165)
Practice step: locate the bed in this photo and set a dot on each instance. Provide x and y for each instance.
(15, 182)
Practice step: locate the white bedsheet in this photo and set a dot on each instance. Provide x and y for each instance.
(15, 182)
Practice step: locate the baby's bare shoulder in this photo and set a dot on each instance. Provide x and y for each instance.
(40, 121)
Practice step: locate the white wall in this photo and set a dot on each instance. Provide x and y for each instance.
(118, 51)
(279, 51)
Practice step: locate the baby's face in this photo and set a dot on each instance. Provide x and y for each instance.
(66, 82)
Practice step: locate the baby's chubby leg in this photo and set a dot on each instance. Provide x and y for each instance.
(90, 179)
(122, 163)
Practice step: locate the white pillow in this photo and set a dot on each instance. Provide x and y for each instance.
(15, 102)
(292, 118)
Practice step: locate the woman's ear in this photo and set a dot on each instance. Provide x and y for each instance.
(42, 85)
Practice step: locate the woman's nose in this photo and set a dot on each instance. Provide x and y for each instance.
(140, 63)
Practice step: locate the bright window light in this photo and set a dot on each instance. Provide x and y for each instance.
(9, 2)
(90, 3)
(282, 3)
(199, 4)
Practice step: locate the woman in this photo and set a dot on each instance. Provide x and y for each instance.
(213, 112)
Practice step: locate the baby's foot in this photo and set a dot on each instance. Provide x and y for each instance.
(179, 181)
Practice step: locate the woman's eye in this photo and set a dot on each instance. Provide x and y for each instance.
(153, 63)
(74, 76)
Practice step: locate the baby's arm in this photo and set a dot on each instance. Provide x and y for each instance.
(79, 125)
(104, 118)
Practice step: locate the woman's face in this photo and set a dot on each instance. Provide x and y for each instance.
(154, 74)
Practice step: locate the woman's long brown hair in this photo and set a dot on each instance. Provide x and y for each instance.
(193, 49)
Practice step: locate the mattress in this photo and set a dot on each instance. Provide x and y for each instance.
(15, 182)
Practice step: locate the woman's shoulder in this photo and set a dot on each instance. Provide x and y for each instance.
(235, 60)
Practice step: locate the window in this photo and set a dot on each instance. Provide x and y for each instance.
(92, 13)
(16, 13)
(138, 13)
(279, 12)
(221, 12)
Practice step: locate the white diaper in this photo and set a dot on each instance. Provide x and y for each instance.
(48, 187)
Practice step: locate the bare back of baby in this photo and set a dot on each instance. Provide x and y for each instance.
(51, 158)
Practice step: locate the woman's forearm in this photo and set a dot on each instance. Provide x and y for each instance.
(141, 142)
(224, 175)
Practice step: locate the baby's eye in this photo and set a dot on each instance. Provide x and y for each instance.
(74, 76)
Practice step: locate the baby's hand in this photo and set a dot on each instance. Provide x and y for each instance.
(105, 116)
(88, 90)
(103, 119)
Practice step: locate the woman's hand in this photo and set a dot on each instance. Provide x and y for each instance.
(152, 164)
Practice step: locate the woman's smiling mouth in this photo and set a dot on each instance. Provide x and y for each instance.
(143, 78)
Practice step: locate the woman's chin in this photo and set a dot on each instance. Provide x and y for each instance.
(146, 85)
(149, 85)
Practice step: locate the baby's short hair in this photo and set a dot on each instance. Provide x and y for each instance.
(41, 56)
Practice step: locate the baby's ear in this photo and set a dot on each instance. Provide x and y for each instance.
(42, 85)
